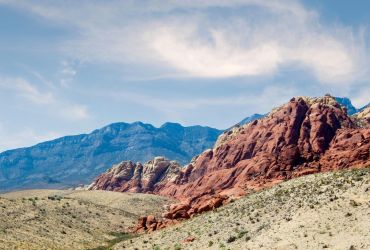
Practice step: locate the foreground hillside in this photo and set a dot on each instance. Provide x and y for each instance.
(61, 219)
(72, 160)
(330, 210)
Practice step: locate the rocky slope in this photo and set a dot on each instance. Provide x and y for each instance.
(363, 117)
(304, 136)
(135, 177)
(72, 160)
(321, 211)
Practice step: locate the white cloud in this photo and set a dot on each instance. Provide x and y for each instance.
(259, 47)
(177, 109)
(185, 51)
(68, 69)
(188, 37)
(26, 90)
(67, 73)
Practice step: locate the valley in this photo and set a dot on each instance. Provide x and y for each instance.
(66, 219)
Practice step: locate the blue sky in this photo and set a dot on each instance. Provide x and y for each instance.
(68, 67)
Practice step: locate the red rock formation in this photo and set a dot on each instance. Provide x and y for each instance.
(304, 136)
(130, 177)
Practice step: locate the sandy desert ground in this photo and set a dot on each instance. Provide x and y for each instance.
(66, 219)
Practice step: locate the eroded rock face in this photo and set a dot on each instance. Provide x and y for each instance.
(291, 139)
(304, 136)
(135, 177)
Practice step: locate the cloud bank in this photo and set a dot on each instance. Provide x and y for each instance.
(210, 39)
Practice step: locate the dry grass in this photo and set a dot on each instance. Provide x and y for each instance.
(320, 211)
(65, 219)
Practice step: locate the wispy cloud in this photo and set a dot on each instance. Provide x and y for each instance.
(227, 55)
(46, 98)
(191, 38)
(67, 73)
(26, 90)
(177, 109)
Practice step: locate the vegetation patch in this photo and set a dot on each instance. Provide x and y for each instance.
(118, 237)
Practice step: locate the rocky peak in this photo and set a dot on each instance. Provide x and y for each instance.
(298, 108)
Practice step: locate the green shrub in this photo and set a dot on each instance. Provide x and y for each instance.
(177, 247)
(242, 233)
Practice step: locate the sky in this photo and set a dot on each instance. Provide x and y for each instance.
(69, 67)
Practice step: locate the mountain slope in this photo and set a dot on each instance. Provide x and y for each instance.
(77, 159)
(304, 136)
(319, 211)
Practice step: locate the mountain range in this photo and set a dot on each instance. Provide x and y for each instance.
(74, 160)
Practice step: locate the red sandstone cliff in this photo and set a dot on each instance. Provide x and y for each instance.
(304, 136)
(130, 177)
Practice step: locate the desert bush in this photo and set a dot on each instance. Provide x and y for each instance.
(231, 239)
(177, 247)
(242, 233)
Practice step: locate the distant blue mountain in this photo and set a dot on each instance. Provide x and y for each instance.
(250, 119)
(72, 160)
(346, 102)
